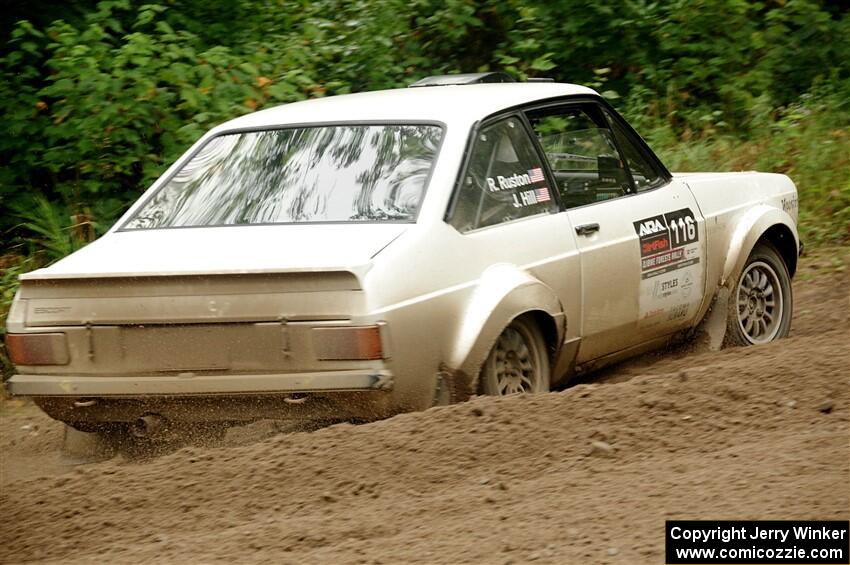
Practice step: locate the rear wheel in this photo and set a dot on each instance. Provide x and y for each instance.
(518, 361)
(761, 304)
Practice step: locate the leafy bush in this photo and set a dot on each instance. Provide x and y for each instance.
(104, 110)
(809, 141)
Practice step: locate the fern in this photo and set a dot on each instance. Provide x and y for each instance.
(52, 229)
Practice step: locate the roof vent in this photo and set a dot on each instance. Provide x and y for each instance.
(466, 78)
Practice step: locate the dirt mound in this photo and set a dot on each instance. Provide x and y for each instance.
(585, 475)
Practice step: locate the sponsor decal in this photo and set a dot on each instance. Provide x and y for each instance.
(665, 240)
(654, 236)
(677, 312)
(651, 318)
(650, 227)
(673, 229)
(661, 259)
(658, 244)
(671, 267)
(687, 284)
(653, 313)
(663, 289)
(789, 205)
(669, 264)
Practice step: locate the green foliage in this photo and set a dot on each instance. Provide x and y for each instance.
(808, 140)
(104, 109)
(52, 234)
(99, 102)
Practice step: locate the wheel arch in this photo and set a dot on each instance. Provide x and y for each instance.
(504, 294)
(552, 337)
(785, 242)
(761, 224)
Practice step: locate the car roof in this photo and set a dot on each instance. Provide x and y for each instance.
(447, 104)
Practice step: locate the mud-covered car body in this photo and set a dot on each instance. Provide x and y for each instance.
(531, 200)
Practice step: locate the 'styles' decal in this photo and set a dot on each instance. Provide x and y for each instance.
(670, 268)
(665, 242)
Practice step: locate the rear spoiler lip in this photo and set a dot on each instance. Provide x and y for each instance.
(124, 285)
(40, 275)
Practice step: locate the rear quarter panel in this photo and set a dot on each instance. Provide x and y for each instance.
(446, 296)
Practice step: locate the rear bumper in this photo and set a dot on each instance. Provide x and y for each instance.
(198, 385)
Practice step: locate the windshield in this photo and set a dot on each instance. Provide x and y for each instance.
(340, 173)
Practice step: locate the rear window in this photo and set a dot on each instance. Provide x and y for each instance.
(504, 180)
(339, 173)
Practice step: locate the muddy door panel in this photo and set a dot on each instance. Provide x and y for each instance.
(642, 268)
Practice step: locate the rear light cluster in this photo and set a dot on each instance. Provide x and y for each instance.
(37, 349)
(348, 343)
(361, 343)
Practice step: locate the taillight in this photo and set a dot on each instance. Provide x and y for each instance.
(37, 349)
(348, 343)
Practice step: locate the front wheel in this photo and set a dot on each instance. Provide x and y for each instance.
(761, 303)
(518, 361)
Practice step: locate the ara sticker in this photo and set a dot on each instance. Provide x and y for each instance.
(664, 241)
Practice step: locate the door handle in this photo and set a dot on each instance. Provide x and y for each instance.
(587, 229)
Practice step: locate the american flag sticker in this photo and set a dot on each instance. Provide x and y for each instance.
(536, 175)
(542, 194)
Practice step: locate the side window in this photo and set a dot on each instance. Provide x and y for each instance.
(504, 179)
(582, 154)
(644, 172)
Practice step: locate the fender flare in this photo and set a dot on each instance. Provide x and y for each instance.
(504, 292)
(748, 231)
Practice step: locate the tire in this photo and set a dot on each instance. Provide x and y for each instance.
(518, 362)
(761, 303)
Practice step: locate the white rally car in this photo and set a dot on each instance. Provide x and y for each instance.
(360, 255)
